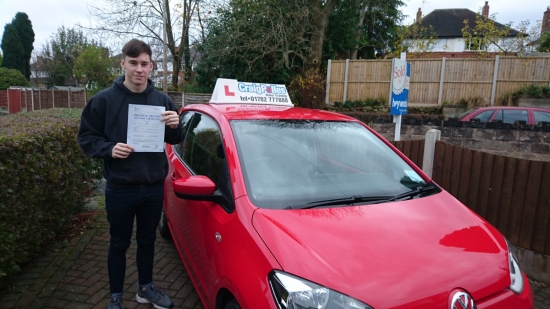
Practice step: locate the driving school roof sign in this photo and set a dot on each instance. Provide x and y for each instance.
(400, 87)
(232, 91)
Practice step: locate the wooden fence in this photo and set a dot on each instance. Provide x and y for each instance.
(434, 81)
(512, 194)
(30, 99)
(413, 149)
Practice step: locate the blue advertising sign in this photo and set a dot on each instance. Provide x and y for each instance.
(400, 87)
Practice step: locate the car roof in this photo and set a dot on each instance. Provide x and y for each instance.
(265, 111)
(512, 107)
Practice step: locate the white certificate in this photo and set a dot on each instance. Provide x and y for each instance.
(145, 130)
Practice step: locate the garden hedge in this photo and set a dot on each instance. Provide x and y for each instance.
(44, 179)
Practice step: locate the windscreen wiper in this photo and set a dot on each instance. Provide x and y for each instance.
(417, 192)
(342, 201)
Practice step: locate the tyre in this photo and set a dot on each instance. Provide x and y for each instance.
(163, 226)
(232, 304)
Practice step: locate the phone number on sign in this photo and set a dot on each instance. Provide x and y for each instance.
(263, 99)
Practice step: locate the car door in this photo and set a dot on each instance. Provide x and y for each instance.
(195, 221)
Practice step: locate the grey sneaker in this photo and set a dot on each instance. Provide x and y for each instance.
(154, 295)
(116, 303)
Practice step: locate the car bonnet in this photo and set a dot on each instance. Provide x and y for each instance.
(392, 254)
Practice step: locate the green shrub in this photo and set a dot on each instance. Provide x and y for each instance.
(11, 77)
(308, 89)
(44, 179)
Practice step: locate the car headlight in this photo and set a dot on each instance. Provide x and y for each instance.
(516, 278)
(291, 292)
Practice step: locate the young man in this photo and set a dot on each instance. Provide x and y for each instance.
(135, 180)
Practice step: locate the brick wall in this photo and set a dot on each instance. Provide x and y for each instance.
(523, 144)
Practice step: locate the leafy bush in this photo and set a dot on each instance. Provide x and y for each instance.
(532, 91)
(44, 179)
(11, 77)
(308, 89)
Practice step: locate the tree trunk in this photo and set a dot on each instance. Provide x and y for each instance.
(359, 28)
(320, 14)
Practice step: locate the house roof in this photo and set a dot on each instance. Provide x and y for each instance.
(448, 23)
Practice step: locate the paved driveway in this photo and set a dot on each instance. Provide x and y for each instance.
(74, 274)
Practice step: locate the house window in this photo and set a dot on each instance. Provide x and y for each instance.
(474, 44)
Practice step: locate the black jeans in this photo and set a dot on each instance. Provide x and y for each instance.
(144, 203)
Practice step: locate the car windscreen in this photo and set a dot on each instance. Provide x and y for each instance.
(294, 162)
(466, 113)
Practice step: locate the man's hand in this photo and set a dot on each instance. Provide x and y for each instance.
(122, 151)
(171, 119)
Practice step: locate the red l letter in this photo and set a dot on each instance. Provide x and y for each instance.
(227, 92)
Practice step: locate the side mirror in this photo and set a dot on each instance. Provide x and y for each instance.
(197, 188)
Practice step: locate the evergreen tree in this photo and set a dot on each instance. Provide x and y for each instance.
(14, 52)
(26, 34)
(362, 28)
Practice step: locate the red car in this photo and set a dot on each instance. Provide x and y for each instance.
(507, 114)
(277, 207)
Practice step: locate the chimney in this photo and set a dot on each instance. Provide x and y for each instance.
(485, 11)
(545, 21)
(419, 15)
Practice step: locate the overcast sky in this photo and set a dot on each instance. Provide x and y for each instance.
(48, 15)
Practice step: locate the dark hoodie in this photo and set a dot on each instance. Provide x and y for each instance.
(104, 123)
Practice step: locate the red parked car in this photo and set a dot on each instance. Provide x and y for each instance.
(277, 207)
(507, 114)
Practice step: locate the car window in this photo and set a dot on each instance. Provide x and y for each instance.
(541, 116)
(511, 115)
(202, 148)
(185, 118)
(289, 162)
(484, 116)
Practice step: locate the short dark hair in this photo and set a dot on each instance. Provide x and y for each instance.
(135, 47)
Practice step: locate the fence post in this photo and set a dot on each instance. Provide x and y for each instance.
(432, 136)
(85, 100)
(69, 96)
(439, 100)
(32, 98)
(183, 99)
(328, 81)
(346, 82)
(494, 89)
(53, 98)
